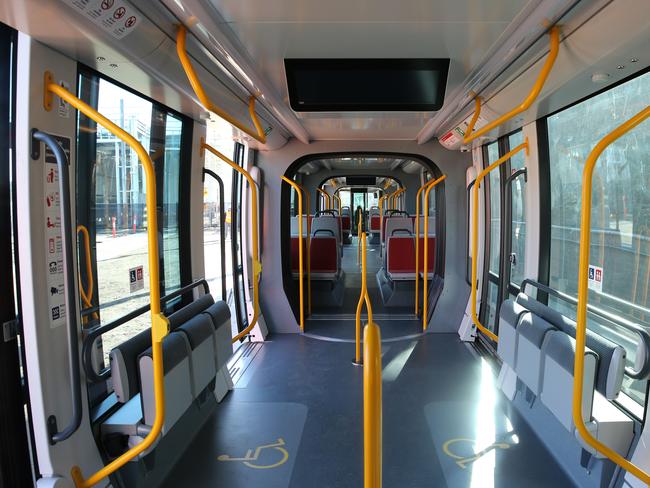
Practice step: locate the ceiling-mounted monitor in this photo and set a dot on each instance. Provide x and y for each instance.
(361, 180)
(366, 85)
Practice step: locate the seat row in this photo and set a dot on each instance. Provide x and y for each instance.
(195, 355)
(537, 343)
(326, 247)
(398, 248)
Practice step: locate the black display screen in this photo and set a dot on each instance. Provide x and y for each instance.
(322, 85)
(361, 180)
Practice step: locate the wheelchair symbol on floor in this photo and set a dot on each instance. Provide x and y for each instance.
(463, 461)
(252, 456)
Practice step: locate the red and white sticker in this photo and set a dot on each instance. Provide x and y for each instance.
(116, 17)
(595, 278)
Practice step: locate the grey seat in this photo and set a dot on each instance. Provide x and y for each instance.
(199, 331)
(531, 332)
(220, 316)
(509, 316)
(190, 310)
(123, 360)
(177, 380)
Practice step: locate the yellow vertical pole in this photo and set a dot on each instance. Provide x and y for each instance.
(479, 179)
(425, 251)
(417, 244)
(326, 197)
(295, 186)
(583, 296)
(363, 297)
(308, 215)
(340, 204)
(372, 407)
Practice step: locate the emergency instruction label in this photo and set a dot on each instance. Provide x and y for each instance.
(53, 235)
(116, 17)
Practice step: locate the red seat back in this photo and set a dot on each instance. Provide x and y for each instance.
(324, 254)
(345, 220)
(400, 254)
(432, 254)
(375, 223)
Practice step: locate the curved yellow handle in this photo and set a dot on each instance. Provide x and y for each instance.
(554, 34)
(159, 324)
(326, 196)
(479, 178)
(425, 273)
(583, 296)
(87, 292)
(181, 50)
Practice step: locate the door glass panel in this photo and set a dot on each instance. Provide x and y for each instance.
(495, 209)
(620, 219)
(518, 201)
(219, 135)
(171, 199)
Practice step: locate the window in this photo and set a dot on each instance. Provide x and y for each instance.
(219, 135)
(111, 192)
(493, 200)
(620, 233)
(518, 206)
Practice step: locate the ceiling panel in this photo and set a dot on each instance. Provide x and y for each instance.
(462, 30)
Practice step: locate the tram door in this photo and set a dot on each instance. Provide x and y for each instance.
(359, 201)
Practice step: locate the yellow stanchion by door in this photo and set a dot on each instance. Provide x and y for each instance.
(159, 323)
(326, 197)
(425, 274)
(300, 252)
(475, 208)
(583, 296)
(257, 265)
(372, 407)
(308, 249)
(339, 202)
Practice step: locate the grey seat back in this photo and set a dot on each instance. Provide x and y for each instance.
(531, 332)
(394, 223)
(199, 331)
(329, 223)
(123, 360)
(509, 316)
(190, 310)
(220, 315)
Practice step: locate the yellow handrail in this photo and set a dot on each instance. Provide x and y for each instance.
(478, 180)
(417, 239)
(181, 50)
(372, 407)
(340, 203)
(425, 272)
(554, 34)
(364, 297)
(397, 194)
(359, 238)
(159, 324)
(308, 214)
(87, 294)
(326, 196)
(583, 296)
(300, 258)
(257, 266)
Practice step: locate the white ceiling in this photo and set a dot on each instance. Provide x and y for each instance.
(462, 30)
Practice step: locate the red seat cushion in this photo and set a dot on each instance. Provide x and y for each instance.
(346, 222)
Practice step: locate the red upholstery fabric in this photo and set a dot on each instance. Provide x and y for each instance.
(346, 223)
(324, 254)
(401, 255)
(375, 223)
(432, 254)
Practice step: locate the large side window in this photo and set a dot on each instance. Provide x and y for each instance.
(620, 232)
(493, 228)
(111, 192)
(517, 188)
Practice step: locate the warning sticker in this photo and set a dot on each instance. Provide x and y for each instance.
(116, 17)
(136, 278)
(64, 107)
(53, 236)
(595, 279)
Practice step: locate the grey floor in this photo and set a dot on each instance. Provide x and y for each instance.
(302, 395)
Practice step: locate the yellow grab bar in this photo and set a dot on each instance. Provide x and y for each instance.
(425, 272)
(300, 258)
(308, 213)
(87, 293)
(340, 204)
(554, 34)
(478, 180)
(417, 239)
(359, 219)
(397, 194)
(181, 50)
(327, 198)
(372, 408)
(364, 297)
(159, 324)
(583, 296)
(257, 266)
